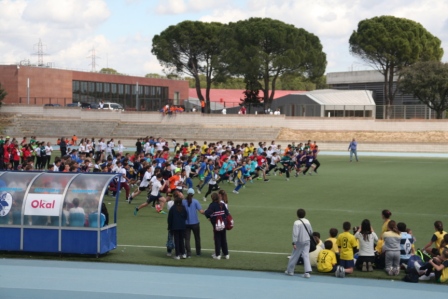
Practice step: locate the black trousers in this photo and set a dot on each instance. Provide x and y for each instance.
(197, 238)
(179, 245)
(220, 242)
(211, 188)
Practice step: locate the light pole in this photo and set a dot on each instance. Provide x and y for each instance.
(28, 90)
(137, 101)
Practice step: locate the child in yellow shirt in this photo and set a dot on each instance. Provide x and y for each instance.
(346, 243)
(326, 260)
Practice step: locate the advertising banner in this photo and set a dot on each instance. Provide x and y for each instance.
(43, 204)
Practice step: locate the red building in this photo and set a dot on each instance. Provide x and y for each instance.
(41, 85)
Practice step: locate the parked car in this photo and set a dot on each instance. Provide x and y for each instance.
(86, 105)
(94, 106)
(74, 104)
(112, 106)
(52, 105)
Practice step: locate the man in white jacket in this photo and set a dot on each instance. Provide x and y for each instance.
(301, 232)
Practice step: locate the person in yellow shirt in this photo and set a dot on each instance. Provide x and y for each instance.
(333, 235)
(440, 266)
(436, 238)
(346, 243)
(251, 148)
(246, 151)
(204, 148)
(326, 260)
(385, 215)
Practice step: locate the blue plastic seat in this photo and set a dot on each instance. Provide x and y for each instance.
(16, 217)
(77, 219)
(93, 219)
(4, 219)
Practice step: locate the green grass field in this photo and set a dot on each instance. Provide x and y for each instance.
(412, 188)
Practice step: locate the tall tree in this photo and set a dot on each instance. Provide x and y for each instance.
(389, 44)
(251, 97)
(3, 94)
(427, 81)
(268, 48)
(191, 48)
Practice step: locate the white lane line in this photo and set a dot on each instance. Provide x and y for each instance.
(239, 251)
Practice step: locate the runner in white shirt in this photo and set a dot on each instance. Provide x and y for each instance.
(212, 183)
(48, 151)
(147, 148)
(120, 147)
(156, 186)
(124, 180)
(108, 149)
(102, 145)
(143, 184)
(273, 164)
(89, 148)
(82, 148)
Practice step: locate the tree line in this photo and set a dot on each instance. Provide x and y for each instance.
(267, 55)
(258, 52)
(262, 54)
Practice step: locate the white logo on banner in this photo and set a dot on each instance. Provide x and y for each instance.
(43, 204)
(5, 203)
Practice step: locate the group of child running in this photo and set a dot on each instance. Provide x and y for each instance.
(213, 163)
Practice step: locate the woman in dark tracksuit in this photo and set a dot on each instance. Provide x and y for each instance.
(214, 211)
(177, 217)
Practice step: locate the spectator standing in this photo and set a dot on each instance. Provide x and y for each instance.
(353, 149)
(193, 206)
(177, 217)
(215, 210)
(301, 231)
(63, 147)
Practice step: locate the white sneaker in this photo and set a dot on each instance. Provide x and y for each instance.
(424, 277)
(236, 192)
(204, 199)
(289, 273)
(168, 254)
(199, 191)
(417, 266)
(216, 257)
(306, 275)
(340, 272)
(287, 179)
(227, 257)
(176, 257)
(184, 256)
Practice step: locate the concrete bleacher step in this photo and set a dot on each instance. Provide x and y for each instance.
(114, 129)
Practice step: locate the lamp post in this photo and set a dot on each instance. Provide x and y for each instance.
(137, 100)
(28, 90)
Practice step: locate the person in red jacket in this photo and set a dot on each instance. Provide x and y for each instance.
(15, 157)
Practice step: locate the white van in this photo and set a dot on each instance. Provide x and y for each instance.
(112, 106)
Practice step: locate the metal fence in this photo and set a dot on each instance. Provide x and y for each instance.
(406, 112)
(297, 110)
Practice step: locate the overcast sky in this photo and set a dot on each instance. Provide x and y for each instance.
(121, 31)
